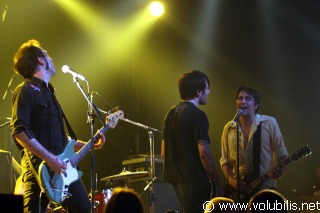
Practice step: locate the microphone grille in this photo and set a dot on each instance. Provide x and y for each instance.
(65, 68)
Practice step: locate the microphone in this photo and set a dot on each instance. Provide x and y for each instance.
(67, 69)
(236, 117)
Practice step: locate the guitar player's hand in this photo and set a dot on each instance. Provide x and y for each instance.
(101, 141)
(234, 183)
(56, 164)
(277, 173)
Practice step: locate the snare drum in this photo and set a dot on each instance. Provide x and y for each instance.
(101, 199)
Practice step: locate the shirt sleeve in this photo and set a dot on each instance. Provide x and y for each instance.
(277, 140)
(21, 110)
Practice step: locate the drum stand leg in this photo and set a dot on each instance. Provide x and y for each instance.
(152, 198)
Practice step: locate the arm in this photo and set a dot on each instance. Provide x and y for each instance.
(231, 180)
(279, 148)
(32, 145)
(227, 160)
(209, 165)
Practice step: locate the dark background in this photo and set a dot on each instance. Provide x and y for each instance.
(133, 61)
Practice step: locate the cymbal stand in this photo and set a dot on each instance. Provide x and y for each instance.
(152, 162)
(10, 142)
(9, 132)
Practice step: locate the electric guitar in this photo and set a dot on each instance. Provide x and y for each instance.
(252, 187)
(56, 185)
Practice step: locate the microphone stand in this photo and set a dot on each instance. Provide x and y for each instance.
(238, 160)
(91, 111)
(152, 162)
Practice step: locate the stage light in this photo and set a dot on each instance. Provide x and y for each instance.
(156, 8)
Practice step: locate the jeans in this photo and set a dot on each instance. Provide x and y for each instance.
(192, 196)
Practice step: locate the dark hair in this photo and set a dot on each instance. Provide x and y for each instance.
(25, 61)
(192, 82)
(124, 200)
(267, 198)
(252, 92)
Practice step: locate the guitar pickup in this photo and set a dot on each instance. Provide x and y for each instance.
(53, 184)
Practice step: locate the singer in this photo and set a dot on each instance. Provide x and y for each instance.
(259, 140)
(38, 129)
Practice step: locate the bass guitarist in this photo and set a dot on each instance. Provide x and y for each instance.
(261, 147)
(38, 128)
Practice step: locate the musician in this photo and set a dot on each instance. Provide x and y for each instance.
(38, 128)
(188, 163)
(261, 144)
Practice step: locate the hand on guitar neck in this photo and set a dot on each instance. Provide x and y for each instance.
(234, 183)
(278, 172)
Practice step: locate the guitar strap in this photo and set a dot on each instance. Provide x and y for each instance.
(71, 132)
(256, 151)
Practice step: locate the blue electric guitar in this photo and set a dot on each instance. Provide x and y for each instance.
(56, 185)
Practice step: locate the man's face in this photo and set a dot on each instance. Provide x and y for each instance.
(49, 64)
(203, 96)
(246, 103)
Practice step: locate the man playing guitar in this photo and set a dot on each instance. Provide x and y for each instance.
(38, 128)
(260, 142)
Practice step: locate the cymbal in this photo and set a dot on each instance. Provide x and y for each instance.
(125, 175)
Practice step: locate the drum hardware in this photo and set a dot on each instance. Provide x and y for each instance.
(124, 175)
(101, 199)
(151, 132)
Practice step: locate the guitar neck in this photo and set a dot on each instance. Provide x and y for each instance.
(257, 182)
(86, 148)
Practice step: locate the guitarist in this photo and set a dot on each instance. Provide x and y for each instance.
(38, 128)
(261, 146)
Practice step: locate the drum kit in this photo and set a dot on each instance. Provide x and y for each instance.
(101, 198)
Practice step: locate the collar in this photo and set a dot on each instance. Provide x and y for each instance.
(37, 83)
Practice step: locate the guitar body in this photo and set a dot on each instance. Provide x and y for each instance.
(56, 186)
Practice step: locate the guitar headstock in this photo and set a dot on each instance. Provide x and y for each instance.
(303, 152)
(112, 120)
